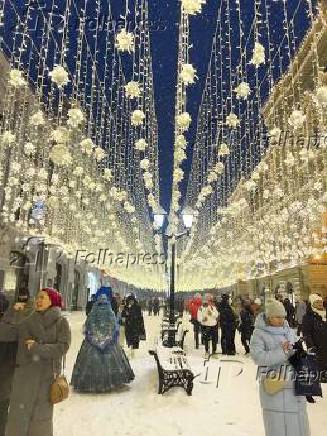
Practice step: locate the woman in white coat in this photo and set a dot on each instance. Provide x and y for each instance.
(284, 414)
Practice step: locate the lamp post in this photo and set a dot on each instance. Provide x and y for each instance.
(159, 218)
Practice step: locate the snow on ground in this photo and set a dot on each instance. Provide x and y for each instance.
(232, 409)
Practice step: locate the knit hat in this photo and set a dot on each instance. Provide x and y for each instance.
(275, 308)
(315, 300)
(55, 297)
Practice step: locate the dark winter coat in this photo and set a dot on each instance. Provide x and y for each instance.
(4, 304)
(247, 323)
(134, 324)
(30, 412)
(290, 312)
(315, 335)
(8, 351)
(228, 318)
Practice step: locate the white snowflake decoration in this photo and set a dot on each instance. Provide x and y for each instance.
(232, 120)
(87, 146)
(144, 164)
(258, 56)
(321, 95)
(37, 119)
(8, 138)
(183, 121)
(125, 41)
(60, 154)
(59, 76)
(133, 89)
(60, 135)
(141, 144)
(250, 185)
(29, 148)
(78, 171)
(179, 155)
(297, 119)
(178, 175)
(181, 142)
(192, 7)
(219, 168)
(243, 90)
(137, 117)
(100, 154)
(16, 79)
(75, 118)
(223, 150)
(188, 74)
(107, 174)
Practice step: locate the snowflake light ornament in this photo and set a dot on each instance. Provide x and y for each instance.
(224, 150)
(137, 117)
(219, 168)
(188, 74)
(258, 56)
(16, 79)
(29, 148)
(78, 171)
(321, 95)
(8, 138)
(178, 175)
(107, 174)
(59, 76)
(232, 120)
(183, 121)
(60, 135)
(297, 119)
(192, 7)
(133, 89)
(179, 155)
(141, 145)
(242, 90)
(75, 118)
(125, 41)
(250, 185)
(60, 155)
(99, 153)
(181, 142)
(87, 146)
(274, 135)
(144, 164)
(37, 119)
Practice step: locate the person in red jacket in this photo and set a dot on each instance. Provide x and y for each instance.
(194, 306)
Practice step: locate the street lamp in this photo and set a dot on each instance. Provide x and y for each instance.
(159, 218)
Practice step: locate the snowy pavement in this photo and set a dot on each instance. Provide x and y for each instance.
(232, 409)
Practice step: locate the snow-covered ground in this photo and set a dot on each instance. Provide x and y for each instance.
(232, 409)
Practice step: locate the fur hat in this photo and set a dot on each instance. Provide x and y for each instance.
(275, 308)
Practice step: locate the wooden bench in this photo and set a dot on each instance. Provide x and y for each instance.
(173, 369)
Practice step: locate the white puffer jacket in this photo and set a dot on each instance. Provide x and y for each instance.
(208, 316)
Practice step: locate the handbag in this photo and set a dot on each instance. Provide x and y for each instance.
(59, 389)
(307, 380)
(273, 385)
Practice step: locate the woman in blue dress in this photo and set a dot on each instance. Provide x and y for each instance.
(101, 364)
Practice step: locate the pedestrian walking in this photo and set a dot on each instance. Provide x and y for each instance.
(228, 324)
(208, 318)
(193, 308)
(246, 327)
(134, 324)
(284, 414)
(43, 339)
(300, 311)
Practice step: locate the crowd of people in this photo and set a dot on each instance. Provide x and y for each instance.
(35, 337)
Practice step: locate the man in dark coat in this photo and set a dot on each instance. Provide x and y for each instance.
(8, 351)
(247, 325)
(156, 306)
(150, 306)
(314, 329)
(4, 303)
(228, 324)
(290, 312)
(134, 323)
